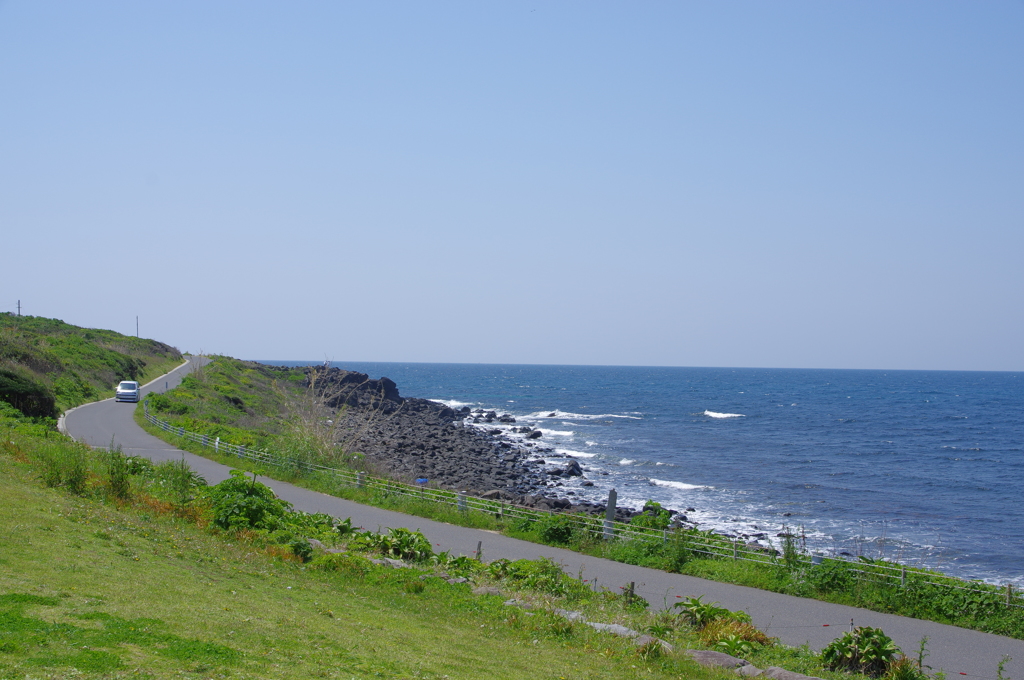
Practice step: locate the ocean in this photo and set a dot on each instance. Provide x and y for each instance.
(919, 466)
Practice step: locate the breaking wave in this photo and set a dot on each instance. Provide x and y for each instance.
(713, 414)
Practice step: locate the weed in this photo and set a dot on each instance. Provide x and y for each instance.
(700, 614)
(862, 650)
(118, 473)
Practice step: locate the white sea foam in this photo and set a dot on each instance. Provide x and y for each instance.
(556, 433)
(678, 485)
(575, 454)
(575, 416)
(713, 414)
(627, 461)
(590, 443)
(451, 403)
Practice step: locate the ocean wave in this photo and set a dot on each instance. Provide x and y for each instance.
(575, 454)
(679, 485)
(713, 414)
(556, 433)
(627, 461)
(451, 403)
(576, 416)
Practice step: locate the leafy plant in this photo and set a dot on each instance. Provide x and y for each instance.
(699, 613)
(241, 503)
(722, 629)
(398, 542)
(653, 516)
(734, 645)
(180, 479)
(863, 650)
(302, 548)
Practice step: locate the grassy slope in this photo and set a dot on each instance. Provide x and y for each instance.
(93, 590)
(240, 401)
(75, 365)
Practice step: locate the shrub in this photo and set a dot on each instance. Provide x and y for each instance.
(302, 548)
(653, 516)
(180, 479)
(862, 650)
(241, 503)
(556, 530)
(831, 576)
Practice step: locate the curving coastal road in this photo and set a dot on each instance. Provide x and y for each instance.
(794, 620)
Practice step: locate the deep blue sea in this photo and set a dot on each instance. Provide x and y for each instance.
(921, 466)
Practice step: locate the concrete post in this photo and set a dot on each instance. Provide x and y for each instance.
(463, 507)
(609, 515)
(360, 479)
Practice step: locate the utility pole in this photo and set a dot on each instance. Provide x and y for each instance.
(136, 326)
(19, 307)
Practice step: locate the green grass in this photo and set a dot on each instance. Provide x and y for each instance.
(95, 588)
(48, 366)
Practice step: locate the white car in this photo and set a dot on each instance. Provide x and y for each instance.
(128, 390)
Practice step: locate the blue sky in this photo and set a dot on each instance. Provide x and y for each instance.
(693, 184)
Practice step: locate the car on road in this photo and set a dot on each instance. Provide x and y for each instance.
(128, 390)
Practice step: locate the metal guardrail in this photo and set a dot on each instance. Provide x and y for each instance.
(717, 548)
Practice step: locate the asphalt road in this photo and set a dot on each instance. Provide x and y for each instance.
(794, 620)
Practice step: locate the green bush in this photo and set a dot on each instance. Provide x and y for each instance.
(652, 517)
(179, 479)
(302, 548)
(831, 576)
(27, 395)
(241, 503)
(399, 542)
(862, 650)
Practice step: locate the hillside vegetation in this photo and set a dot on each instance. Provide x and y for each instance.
(124, 569)
(48, 366)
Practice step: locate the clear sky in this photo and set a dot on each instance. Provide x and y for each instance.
(777, 184)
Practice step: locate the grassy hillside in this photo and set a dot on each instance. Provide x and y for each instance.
(244, 401)
(48, 366)
(101, 579)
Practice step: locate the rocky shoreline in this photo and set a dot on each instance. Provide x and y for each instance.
(482, 452)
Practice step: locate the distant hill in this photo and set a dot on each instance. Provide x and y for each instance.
(48, 366)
